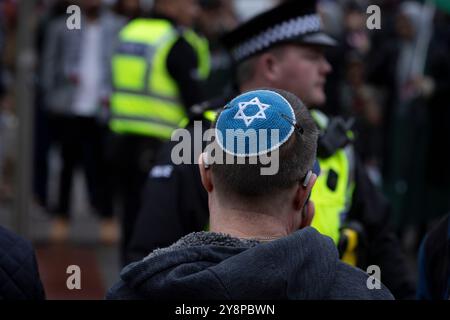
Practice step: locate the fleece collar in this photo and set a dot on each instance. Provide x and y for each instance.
(203, 238)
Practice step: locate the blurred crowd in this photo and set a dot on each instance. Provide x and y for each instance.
(393, 82)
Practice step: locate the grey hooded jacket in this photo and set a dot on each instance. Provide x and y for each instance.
(205, 265)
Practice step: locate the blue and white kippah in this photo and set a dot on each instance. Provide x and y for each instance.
(255, 123)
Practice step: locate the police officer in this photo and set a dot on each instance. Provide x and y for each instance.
(283, 48)
(156, 73)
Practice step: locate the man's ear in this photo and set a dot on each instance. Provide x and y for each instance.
(205, 173)
(303, 192)
(268, 66)
(307, 215)
(301, 202)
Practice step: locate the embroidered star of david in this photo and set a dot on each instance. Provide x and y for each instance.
(249, 119)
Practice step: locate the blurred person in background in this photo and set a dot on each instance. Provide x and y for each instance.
(215, 19)
(2, 45)
(356, 35)
(2, 92)
(156, 73)
(360, 100)
(438, 143)
(352, 35)
(76, 82)
(434, 263)
(8, 136)
(8, 118)
(413, 70)
(43, 136)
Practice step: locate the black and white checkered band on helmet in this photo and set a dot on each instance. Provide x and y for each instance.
(294, 21)
(284, 31)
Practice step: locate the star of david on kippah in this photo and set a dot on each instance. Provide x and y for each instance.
(249, 119)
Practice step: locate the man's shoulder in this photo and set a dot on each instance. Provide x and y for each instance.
(354, 284)
(15, 253)
(10, 242)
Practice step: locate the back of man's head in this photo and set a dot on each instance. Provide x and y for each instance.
(295, 149)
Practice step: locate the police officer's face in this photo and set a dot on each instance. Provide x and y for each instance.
(302, 70)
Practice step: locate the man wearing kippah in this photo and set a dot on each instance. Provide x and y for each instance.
(260, 245)
(284, 48)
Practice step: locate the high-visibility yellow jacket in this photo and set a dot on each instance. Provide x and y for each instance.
(146, 99)
(332, 192)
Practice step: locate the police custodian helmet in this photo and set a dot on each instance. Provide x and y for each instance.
(293, 21)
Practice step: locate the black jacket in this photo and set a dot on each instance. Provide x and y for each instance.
(204, 265)
(434, 263)
(19, 274)
(381, 245)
